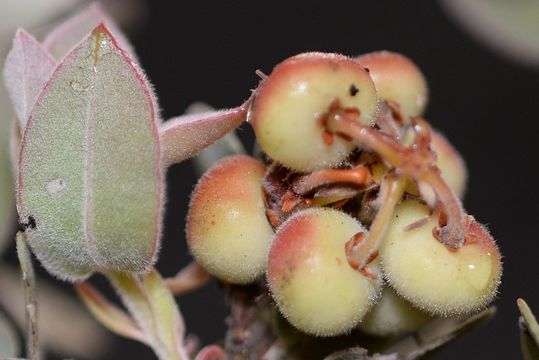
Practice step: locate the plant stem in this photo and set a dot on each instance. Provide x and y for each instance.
(152, 305)
(27, 269)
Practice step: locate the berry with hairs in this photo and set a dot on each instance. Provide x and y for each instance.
(397, 79)
(437, 279)
(227, 229)
(295, 105)
(309, 276)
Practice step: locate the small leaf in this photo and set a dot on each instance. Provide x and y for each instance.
(190, 278)
(184, 136)
(230, 144)
(90, 180)
(529, 332)
(437, 333)
(113, 318)
(9, 340)
(68, 34)
(28, 67)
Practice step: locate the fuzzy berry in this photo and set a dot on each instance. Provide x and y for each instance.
(227, 229)
(433, 277)
(309, 276)
(295, 105)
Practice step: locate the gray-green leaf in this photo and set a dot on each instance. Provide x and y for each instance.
(90, 176)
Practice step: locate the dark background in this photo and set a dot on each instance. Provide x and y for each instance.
(486, 105)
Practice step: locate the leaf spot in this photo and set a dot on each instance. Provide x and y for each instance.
(29, 223)
(78, 86)
(55, 186)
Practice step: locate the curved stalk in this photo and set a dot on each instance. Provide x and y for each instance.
(360, 176)
(361, 253)
(416, 162)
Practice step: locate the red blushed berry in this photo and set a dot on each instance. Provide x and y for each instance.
(227, 229)
(309, 276)
(451, 164)
(295, 105)
(398, 80)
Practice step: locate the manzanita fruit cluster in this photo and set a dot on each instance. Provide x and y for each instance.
(350, 216)
(354, 192)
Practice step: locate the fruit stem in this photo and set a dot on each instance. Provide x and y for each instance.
(452, 233)
(360, 175)
(362, 253)
(417, 162)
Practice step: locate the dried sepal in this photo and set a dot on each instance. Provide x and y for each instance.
(65, 36)
(90, 181)
(27, 68)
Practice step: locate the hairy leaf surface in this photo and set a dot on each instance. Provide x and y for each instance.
(28, 67)
(90, 182)
(68, 34)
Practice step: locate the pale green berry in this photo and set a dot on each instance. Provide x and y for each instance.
(393, 316)
(433, 277)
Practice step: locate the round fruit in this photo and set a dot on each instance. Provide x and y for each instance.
(397, 79)
(227, 229)
(393, 316)
(310, 278)
(450, 163)
(297, 101)
(432, 277)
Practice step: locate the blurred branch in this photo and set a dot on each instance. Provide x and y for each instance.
(86, 340)
(31, 309)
